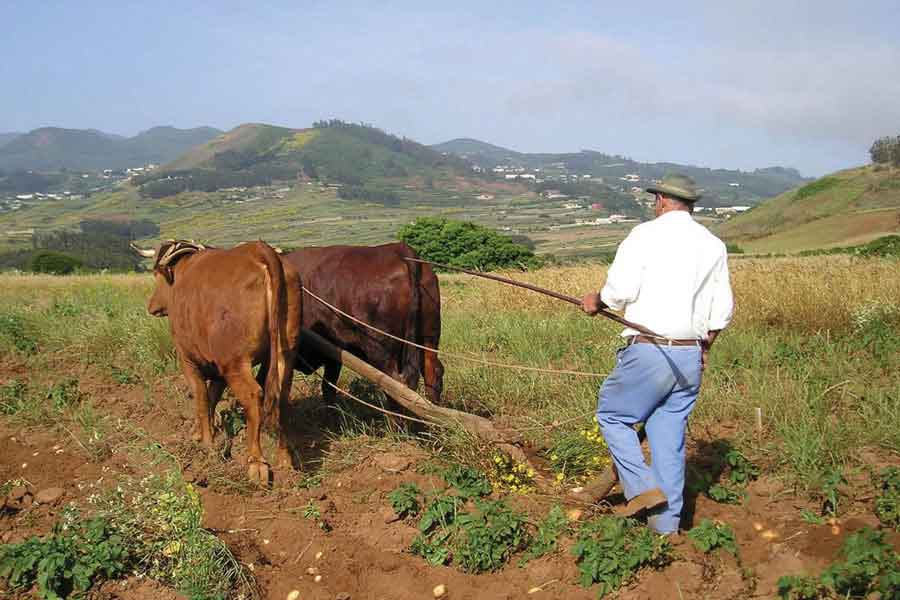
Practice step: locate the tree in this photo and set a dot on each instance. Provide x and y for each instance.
(886, 150)
(55, 263)
(465, 244)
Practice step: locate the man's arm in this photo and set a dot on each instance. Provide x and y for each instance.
(722, 307)
(623, 280)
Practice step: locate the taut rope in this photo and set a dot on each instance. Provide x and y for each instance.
(481, 361)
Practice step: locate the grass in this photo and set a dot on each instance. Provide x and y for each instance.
(814, 346)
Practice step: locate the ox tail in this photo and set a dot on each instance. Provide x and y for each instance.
(430, 327)
(413, 359)
(279, 345)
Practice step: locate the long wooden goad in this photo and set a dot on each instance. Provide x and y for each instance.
(540, 290)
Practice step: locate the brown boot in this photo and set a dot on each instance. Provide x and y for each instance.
(647, 501)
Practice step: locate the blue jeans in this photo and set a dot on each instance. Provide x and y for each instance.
(656, 385)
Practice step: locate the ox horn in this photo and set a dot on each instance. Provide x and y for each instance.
(145, 253)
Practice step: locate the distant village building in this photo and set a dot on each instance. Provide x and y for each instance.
(734, 184)
(732, 210)
(484, 197)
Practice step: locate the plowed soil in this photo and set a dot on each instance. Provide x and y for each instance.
(363, 556)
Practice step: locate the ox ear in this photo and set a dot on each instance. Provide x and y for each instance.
(151, 253)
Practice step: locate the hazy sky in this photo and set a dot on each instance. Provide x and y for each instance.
(804, 84)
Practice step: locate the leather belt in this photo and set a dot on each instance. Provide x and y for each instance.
(646, 339)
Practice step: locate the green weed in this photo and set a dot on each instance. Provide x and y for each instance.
(311, 511)
(15, 333)
(405, 500)
(578, 455)
(68, 561)
(868, 564)
(159, 520)
(468, 482)
(610, 551)
(12, 396)
(488, 537)
(887, 505)
(547, 535)
(713, 535)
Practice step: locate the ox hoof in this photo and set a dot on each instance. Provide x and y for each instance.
(283, 459)
(258, 472)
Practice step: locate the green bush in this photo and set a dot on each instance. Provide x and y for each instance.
(548, 532)
(468, 482)
(489, 536)
(466, 245)
(55, 263)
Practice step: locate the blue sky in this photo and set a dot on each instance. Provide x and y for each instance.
(804, 84)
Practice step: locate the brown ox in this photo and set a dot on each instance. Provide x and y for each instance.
(376, 285)
(229, 310)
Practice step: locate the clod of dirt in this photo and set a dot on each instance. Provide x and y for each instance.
(318, 555)
(49, 495)
(392, 463)
(19, 498)
(294, 595)
(574, 514)
(317, 578)
(342, 596)
(312, 571)
(388, 514)
(439, 591)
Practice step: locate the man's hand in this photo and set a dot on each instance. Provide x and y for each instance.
(705, 345)
(592, 304)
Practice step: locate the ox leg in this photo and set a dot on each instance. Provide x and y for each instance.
(332, 374)
(250, 395)
(203, 427)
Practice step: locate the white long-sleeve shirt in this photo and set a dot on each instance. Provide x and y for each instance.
(671, 276)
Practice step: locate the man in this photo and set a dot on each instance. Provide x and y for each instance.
(670, 275)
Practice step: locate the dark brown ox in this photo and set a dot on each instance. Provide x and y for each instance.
(376, 285)
(228, 311)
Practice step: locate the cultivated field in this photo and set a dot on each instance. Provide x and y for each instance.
(91, 401)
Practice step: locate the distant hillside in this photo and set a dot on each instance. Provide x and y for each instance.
(54, 148)
(6, 138)
(357, 156)
(722, 187)
(845, 208)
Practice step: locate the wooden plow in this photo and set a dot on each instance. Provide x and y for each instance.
(507, 440)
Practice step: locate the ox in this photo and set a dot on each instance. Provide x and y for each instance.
(376, 285)
(229, 310)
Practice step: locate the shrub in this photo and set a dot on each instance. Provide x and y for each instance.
(465, 244)
(55, 263)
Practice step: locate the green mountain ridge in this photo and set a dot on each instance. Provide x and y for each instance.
(721, 186)
(845, 208)
(55, 148)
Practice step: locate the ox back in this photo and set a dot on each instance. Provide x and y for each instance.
(376, 285)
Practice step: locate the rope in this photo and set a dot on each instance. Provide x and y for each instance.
(369, 404)
(481, 361)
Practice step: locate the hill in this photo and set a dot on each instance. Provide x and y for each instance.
(55, 148)
(845, 208)
(6, 138)
(335, 152)
(722, 187)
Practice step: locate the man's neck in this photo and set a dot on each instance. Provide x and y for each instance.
(667, 211)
